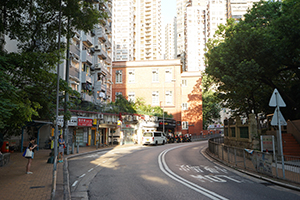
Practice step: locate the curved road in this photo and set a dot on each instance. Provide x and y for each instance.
(172, 171)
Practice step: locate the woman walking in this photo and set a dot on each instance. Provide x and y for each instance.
(31, 147)
(61, 143)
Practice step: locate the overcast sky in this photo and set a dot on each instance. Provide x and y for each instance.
(168, 10)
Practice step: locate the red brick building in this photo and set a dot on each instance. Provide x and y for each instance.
(151, 79)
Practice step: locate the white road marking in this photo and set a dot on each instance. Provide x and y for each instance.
(91, 169)
(165, 169)
(74, 183)
(82, 176)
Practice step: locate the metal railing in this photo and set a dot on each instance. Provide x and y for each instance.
(256, 161)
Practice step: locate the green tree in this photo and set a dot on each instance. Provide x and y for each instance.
(29, 84)
(257, 55)
(210, 102)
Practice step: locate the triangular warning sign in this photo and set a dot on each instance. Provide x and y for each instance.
(276, 100)
(274, 121)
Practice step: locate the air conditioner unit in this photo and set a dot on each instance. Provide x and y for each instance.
(97, 48)
(77, 36)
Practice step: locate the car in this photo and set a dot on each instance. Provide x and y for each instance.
(155, 137)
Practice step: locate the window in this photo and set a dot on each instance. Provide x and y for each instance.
(168, 75)
(185, 125)
(131, 96)
(184, 83)
(131, 77)
(169, 98)
(244, 133)
(232, 132)
(184, 106)
(119, 76)
(154, 75)
(155, 98)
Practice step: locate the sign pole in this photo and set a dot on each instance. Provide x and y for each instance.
(280, 138)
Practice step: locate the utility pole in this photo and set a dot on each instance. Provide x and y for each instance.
(66, 128)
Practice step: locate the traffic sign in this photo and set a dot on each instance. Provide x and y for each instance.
(274, 121)
(276, 100)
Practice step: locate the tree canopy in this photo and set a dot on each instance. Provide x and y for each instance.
(27, 77)
(249, 59)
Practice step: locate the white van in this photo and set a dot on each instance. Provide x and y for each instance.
(155, 137)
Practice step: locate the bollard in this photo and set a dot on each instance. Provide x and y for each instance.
(77, 147)
(73, 147)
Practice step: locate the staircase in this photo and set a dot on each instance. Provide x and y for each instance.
(290, 145)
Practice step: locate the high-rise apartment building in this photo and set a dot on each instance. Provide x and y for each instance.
(137, 30)
(240, 7)
(90, 60)
(195, 38)
(123, 30)
(180, 13)
(170, 40)
(148, 27)
(217, 15)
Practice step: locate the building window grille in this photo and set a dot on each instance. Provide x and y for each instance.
(169, 98)
(155, 98)
(131, 76)
(154, 75)
(119, 76)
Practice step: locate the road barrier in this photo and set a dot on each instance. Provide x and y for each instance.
(256, 161)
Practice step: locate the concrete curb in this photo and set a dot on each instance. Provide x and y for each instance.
(252, 174)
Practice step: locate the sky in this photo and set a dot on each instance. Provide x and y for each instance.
(168, 10)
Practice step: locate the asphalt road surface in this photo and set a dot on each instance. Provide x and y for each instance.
(172, 171)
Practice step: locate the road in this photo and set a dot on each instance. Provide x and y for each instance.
(172, 171)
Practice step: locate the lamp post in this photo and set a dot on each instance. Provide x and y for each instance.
(172, 80)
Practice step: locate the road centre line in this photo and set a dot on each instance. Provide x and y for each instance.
(165, 169)
(91, 169)
(74, 183)
(82, 176)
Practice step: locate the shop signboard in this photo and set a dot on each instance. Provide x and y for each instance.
(71, 122)
(85, 122)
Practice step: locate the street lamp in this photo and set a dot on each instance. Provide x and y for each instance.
(172, 80)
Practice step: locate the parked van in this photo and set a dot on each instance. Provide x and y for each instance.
(155, 138)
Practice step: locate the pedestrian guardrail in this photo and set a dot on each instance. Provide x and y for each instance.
(256, 161)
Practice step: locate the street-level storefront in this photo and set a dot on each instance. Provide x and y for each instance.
(170, 125)
(128, 131)
(83, 131)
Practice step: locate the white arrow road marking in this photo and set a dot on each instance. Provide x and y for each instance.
(165, 169)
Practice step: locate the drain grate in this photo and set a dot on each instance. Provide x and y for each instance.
(34, 187)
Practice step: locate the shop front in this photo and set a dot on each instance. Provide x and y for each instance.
(83, 131)
(168, 124)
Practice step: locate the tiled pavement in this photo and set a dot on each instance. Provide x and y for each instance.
(16, 184)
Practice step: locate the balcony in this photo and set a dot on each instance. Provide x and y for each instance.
(87, 39)
(74, 73)
(108, 59)
(85, 78)
(108, 28)
(86, 97)
(86, 57)
(108, 43)
(75, 50)
(101, 53)
(101, 34)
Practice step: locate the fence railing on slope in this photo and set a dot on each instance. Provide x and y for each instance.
(256, 161)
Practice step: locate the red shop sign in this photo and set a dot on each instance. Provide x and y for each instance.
(85, 122)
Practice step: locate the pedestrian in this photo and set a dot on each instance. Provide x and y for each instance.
(31, 147)
(61, 150)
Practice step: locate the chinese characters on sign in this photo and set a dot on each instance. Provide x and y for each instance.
(85, 122)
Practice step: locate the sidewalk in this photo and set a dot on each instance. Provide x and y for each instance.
(16, 184)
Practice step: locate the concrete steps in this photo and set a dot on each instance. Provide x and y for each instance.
(290, 145)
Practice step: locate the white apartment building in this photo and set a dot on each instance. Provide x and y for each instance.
(195, 38)
(123, 30)
(170, 40)
(240, 7)
(180, 14)
(148, 30)
(137, 33)
(216, 10)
